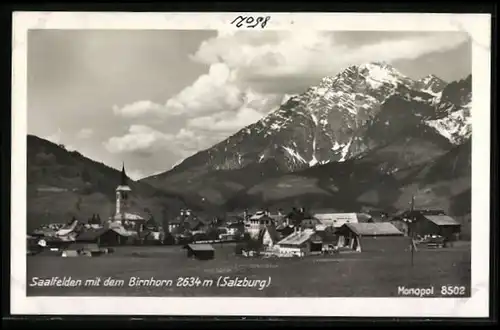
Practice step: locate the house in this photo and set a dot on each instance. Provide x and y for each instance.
(104, 236)
(333, 219)
(268, 236)
(255, 223)
(371, 237)
(235, 228)
(310, 223)
(428, 222)
(200, 251)
(278, 218)
(299, 243)
(187, 221)
(296, 216)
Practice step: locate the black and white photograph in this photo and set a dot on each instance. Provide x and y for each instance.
(205, 159)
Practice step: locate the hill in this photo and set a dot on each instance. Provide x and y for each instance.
(443, 182)
(62, 184)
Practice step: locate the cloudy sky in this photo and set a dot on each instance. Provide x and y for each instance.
(152, 98)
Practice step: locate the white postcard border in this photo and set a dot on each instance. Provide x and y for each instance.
(478, 27)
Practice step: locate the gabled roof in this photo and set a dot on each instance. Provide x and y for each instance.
(272, 233)
(297, 238)
(201, 247)
(336, 219)
(374, 229)
(128, 216)
(442, 220)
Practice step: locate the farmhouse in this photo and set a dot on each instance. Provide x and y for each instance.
(333, 219)
(371, 237)
(200, 251)
(300, 243)
(257, 222)
(429, 222)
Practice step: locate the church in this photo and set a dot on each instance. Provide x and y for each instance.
(123, 217)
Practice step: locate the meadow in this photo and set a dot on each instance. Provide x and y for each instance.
(343, 275)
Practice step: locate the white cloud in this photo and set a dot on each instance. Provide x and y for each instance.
(144, 139)
(138, 138)
(306, 53)
(138, 109)
(211, 92)
(226, 121)
(85, 133)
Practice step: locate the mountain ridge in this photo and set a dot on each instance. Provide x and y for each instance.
(334, 121)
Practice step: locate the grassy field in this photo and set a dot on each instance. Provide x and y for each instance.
(344, 275)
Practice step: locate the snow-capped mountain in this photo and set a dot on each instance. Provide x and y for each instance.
(431, 84)
(343, 117)
(454, 111)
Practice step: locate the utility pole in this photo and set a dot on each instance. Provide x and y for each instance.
(410, 224)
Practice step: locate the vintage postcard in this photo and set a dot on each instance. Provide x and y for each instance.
(243, 164)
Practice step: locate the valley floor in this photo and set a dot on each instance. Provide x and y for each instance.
(343, 275)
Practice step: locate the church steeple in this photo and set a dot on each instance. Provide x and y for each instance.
(123, 181)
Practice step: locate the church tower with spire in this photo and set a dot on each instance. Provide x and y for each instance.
(122, 194)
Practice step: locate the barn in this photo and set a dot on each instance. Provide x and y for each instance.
(300, 243)
(200, 251)
(371, 237)
(429, 222)
(442, 225)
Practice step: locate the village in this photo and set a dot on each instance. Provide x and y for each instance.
(297, 232)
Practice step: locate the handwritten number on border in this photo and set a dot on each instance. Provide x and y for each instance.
(250, 21)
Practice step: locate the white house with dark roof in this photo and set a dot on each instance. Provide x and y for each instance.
(300, 243)
(258, 221)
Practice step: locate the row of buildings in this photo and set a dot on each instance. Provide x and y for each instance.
(300, 232)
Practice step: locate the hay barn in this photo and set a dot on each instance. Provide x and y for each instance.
(371, 237)
(200, 251)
